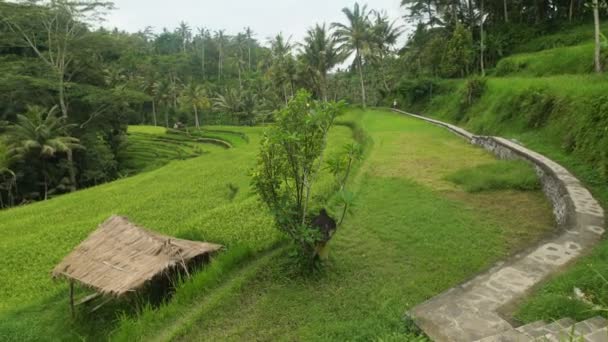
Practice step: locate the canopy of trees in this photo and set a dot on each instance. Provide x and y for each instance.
(83, 86)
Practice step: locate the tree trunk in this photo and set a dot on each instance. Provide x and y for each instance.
(359, 64)
(196, 123)
(571, 11)
(62, 103)
(239, 70)
(471, 14)
(481, 40)
(203, 57)
(154, 111)
(249, 55)
(166, 119)
(430, 11)
(506, 9)
(596, 20)
(285, 93)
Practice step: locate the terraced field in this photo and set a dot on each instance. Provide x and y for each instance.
(150, 147)
(412, 234)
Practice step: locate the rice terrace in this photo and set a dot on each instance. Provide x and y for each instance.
(397, 170)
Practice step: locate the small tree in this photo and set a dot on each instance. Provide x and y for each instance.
(290, 158)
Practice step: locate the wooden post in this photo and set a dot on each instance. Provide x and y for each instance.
(72, 299)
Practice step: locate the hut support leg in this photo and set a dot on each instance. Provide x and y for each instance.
(72, 299)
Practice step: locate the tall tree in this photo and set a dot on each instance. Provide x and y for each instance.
(185, 33)
(354, 37)
(61, 22)
(384, 35)
(320, 53)
(249, 35)
(281, 69)
(220, 38)
(203, 36)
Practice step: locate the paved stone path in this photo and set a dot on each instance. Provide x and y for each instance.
(470, 311)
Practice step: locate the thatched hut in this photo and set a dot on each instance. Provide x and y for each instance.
(120, 258)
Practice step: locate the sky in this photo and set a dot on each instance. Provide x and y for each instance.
(265, 17)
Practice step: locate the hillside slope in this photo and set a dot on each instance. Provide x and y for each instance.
(551, 102)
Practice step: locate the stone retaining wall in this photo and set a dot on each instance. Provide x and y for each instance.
(471, 310)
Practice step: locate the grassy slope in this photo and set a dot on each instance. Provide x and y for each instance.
(188, 198)
(564, 117)
(413, 234)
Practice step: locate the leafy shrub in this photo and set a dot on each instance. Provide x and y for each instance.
(475, 88)
(502, 175)
(289, 162)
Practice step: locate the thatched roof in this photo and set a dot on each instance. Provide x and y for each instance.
(120, 257)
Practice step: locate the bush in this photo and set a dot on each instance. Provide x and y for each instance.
(289, 162)
(503, 175)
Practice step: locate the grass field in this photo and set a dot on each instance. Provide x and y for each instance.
(189, 198)
(504, 175)
(412, 235)
(576, 59)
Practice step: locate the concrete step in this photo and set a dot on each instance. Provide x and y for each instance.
(511, 335)
(533, 330)
(600, 335)
(566, 329)
(579, 331)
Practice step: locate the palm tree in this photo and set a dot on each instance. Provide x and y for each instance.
(165, 98)
(384, 35)
(249, 35)
(150, 87)
(203, 35)
(220, 37)
(320, 54)
(41, 135)
(195, 96)
(282, 67)
(354, 37)
(185, 33)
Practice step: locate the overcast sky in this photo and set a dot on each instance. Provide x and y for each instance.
(265, 17)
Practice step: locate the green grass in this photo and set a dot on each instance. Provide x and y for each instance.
(412, 235)
(566, 36)
(186, 198)
(576, 59)
(504, 175)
